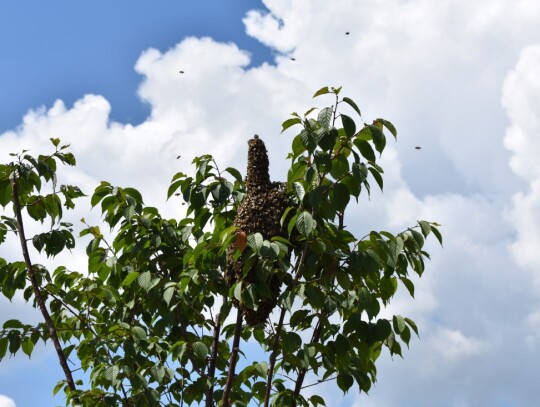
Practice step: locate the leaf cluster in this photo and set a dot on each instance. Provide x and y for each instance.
(148, 321)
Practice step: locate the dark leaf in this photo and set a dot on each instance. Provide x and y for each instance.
(348, 125)
(351, 103)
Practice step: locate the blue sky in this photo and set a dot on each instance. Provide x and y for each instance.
(64, 49)
(458, 78)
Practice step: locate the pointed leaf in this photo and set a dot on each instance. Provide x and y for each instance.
(351, 103)
(321, 91)
(290, 122)
(305, 224)
(348, 125)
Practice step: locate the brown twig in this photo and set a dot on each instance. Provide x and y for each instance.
(225, 402)
(302, 375)
(273, 356)
(213, 359)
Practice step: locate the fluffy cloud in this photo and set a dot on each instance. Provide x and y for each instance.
(433, 68)
(521, 98)
(6, 401)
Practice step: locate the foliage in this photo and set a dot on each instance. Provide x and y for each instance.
(152, 321)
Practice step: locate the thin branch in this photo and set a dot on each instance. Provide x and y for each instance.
(273, 357)
(275, 348)
(37, 290)
(225, 402)
(319, 382)
(316, 334)
(213, 359)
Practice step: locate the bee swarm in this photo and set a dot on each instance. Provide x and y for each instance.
(260, 211)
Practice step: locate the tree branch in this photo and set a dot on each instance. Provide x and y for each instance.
(273, 356)
(37, 290)
(225, 402)
(213, 359)
(302, 375)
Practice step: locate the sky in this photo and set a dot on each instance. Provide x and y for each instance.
(458, 78)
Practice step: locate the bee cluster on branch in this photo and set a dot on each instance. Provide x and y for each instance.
(260, 211)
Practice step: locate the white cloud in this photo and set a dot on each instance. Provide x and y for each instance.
(521, 98)
(433, 68)
(533, 323)
(452, 345)
(6, 401)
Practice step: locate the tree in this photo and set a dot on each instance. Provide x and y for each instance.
(166, 307)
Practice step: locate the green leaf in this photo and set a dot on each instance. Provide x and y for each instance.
(299, 189)
(305, 224)
(389, 126)
(340, 166)
(200, 350)
(383, 329)
(399, 323)
(168, 294)
(111, 373)
(255, 241)
(3, 347)
(348, 125)
(408, 285)
(5, 192)
(138, 333)
(158, 373)
(345, 381)
(13, 324)
(327, 140)
(235, 173)
(321, 91)
(132, 192)
(311, 109)
(145, 280)
(352, 185)
(418, 238)
(360, 172)
(309, 140)
(325, 117)
(101, 192)
(425, 226)
(365, 149)
(130, 278)
(297, 171)
(339, 197)
(405, 335)
(352, 104)
(437, 234)
(261, 368)
(317, 400)
(412, 324)
(27, 346)
(388, 287)
(291, 341)
(378, 177)
(237, 291)
(290, 122)
(378, 138)
(297, 146)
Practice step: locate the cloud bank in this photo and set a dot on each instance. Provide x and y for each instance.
(439, 71)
